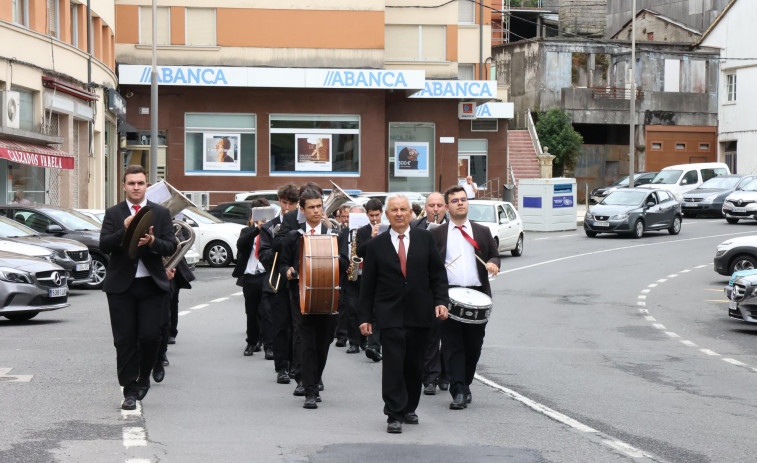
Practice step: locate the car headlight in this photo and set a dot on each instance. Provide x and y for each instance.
(709, 199)
(14, 276)
(609, 190)
(589, 215)
(720, 252)
(620, 217)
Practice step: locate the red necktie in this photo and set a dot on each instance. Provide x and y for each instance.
(312, 231)
(136, 208)
(257, 240)
(401, 253)
(468, 237)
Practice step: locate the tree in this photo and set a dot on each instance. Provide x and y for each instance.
(556, 132)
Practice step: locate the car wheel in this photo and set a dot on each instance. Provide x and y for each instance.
(638, 229)
(218, 254)
(21, 317)
(675, 227)
(99, 264)
(743, 262)
(689, 215)
(518, 247)
(590, 234)
(730, 220)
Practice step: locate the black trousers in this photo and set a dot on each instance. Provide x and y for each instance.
(136, 316)
(284, 354)
(265, 320)
(462, 348)
(433, 367)
(348, 300)
(252, 287)
(165, 327)
(316, 334)
(402, 370)
(295, 315)
(174, 330)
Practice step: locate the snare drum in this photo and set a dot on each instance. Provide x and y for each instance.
(469, 306)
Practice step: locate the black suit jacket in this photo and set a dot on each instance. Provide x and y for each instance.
(122, 269)
(266, 254)
(392, 300)
(244, 250)
(483, 238)
(363, 237)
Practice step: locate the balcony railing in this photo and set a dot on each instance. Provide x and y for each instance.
(615, 93)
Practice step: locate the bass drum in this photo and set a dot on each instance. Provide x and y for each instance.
(469, 306)
(319, 274)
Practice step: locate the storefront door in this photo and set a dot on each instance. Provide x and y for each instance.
(472, 160)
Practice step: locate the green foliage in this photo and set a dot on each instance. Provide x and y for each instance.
(556, 133)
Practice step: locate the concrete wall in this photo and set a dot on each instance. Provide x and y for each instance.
(660, 30)
(582, 17)
(698, 14)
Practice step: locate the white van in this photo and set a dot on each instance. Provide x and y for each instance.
(684, 177)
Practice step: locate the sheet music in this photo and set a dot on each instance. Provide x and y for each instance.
(358, 219)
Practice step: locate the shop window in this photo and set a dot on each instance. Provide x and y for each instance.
(680, 146)
(731, 87)
(220, 144)
(310, 144)
(411, 156)
(21, 12)
(656, 146)
(164, 25)
(201, 26)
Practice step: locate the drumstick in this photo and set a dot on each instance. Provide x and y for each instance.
(484, 263)
(453, 261)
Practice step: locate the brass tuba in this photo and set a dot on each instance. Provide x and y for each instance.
(336, 198)
(169, 197)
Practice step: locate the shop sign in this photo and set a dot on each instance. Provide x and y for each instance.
(458, 89)
(116, 104)
(36, 159)
(360, 78)
(495, 110)
(466, 110)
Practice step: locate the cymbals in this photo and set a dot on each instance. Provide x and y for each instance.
(138, 227)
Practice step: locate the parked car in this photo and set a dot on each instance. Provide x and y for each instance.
(741, 204)
(192, 257)
(29, 286)
(216, 241)
(64, 223)
(270, 195)
(96, 214)
(237, 211)
(69, 254)
(685, 177)
(502, 220)
(634, 211)
(742, 297)
(709, 197)
(736, 254)
(640, 178)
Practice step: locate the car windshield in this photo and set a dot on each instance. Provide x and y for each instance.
(750, 186)
(625, 198)
(11, 229)
(667, 177)
(720, 183)
(622, 181)
(481, 213)
(73, 219)
(200, 216)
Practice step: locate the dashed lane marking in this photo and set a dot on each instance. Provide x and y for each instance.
(686, 342)
(184, 312)
(200, 306)
(672, 334)
(6, 378)
(716, 300)
(709, 352)
(659, 326)
(220, 299)
(734, 362)
(135, 436)
(240, 293)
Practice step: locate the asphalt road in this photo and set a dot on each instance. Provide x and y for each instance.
(598, 350)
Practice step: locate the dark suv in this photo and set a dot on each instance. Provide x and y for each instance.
(64, 223)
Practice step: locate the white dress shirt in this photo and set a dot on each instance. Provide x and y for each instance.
(317, 229)
(254, 266)
(463, 271)
(469, 193)
(396, 240)
(141, 269)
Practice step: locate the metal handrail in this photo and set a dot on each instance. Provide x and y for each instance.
(532, 131)
(615, 93)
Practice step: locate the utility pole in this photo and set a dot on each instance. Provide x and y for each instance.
(154, 98)
(632, 79)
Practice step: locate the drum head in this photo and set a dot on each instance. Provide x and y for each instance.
(469, 297)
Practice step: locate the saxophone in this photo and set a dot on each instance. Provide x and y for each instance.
(355, 261)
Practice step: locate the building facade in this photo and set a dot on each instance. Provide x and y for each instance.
(365, 94)
(57, 148)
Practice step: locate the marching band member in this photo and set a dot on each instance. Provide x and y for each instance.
(436, 212)
(459, 242)
(350, 290)
(373, 209)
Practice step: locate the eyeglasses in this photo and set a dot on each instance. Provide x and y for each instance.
(458, 200)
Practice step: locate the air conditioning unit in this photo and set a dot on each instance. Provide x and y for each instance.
(11, 110)
(200, 198)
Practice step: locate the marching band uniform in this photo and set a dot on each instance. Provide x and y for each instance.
(250, 275)
(350, 290)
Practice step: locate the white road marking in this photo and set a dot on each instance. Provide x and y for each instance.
(220, 299)
(129, 414)
(700, 266)
(708, 352)
(684, 271)
(662, 280)
(184, 312)
(199, 306)
(672, 334)
(653, 285)
(659, 326)
(641, 296)
(641, 303)
(734, 362)
(686, 342)
(672, 275)
(645, 291)
(649, 318)
(6, 378)
(643, 311)
(240, 293)
(629, 450)
(138, 460)
(135, 437)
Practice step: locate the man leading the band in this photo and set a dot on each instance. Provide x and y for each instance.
(136, 288)
(459, 242)
(402, 292)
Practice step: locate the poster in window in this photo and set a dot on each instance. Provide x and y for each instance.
(221, 151)
(312, 152)
(411, 159)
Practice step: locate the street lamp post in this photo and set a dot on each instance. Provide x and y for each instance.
(632, 79)
(154, 98)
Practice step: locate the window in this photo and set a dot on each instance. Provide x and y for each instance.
(710, 173)
(53, 18)
(680, 146)
(502, 215)
(689, 178)
(416, 43)
(466, 72)
(163, 23)
(656, 146)
(419, 136)
(704, 146)
(650, 36)
(475, 151)
(21, 12)
(510, 212)
(466, 12)
(664, 196)
(315, 144)
(672, 75)
(220, 144)
(201, 26)
(731, 87)
(75, 24)
(25, 109)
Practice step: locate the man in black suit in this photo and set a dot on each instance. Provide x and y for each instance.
(373, 209)
(316, 330)
(404, 288)
(137, 288)
(285, 356)
(459, 242)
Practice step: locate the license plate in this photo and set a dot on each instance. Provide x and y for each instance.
(601, 224)
(739, 209)
(82, 267)
(690, 205)
(58, 292)
(733, 305)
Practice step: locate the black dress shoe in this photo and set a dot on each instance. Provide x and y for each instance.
(429, 389)
(394, 427)
(354, 349)
(310, 402)
(164, 360)
(282, 377)
(318, 398)
(341, 342)
(268, 353)
(249, 350)
(373, 354)
(171, 340)
(257, 347)
(299, 391)
(363, 346)
(142, 392)
(411, 418)
(469, 398)
(320, 385)
(443, 385)
(129, 403)
(158, 373)
(458, 402)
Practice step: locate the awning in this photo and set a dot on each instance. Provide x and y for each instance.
(35, 155)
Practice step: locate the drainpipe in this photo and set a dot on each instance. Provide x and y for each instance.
(481, 41)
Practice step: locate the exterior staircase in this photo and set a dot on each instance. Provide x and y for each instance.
(522, 159)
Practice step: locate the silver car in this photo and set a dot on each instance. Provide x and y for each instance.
(742, 300)
(29, 286)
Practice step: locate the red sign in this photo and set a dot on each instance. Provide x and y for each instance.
(36, 155)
